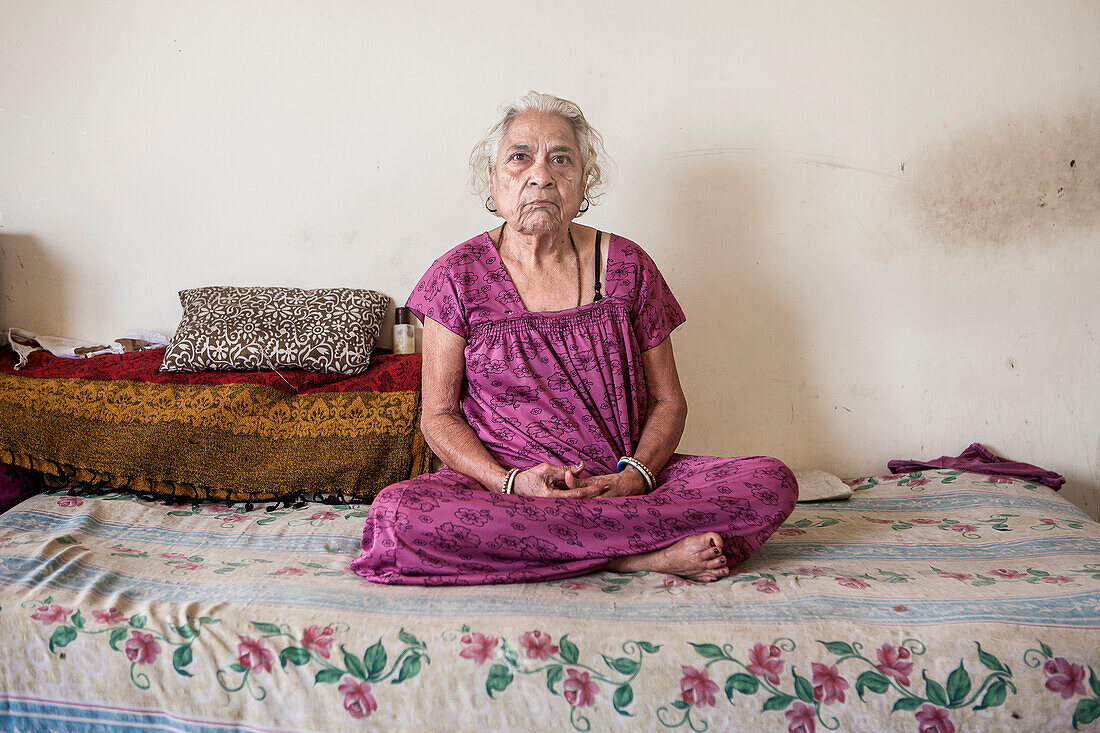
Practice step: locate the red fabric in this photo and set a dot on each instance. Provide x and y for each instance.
(387, 372)
(979, 459)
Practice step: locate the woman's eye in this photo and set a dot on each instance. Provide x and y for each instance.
(561, 159)
(518, 156)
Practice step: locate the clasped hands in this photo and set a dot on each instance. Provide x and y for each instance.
(551, 480)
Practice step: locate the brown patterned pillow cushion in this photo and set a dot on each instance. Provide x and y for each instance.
(254, 329)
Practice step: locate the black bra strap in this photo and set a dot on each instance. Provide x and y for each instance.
(599, 261)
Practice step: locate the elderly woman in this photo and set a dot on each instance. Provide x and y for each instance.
(551, 394)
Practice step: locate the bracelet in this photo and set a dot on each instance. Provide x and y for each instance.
(509, 481)
(646, 474)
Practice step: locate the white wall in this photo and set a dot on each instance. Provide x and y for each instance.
(868, 210)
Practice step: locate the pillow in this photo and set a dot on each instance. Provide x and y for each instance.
(251, 329)
(818, 485)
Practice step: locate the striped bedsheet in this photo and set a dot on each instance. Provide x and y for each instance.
(938, 601)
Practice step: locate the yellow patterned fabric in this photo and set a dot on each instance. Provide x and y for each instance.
(236, 442)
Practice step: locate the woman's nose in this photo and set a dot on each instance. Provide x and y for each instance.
(541, 174)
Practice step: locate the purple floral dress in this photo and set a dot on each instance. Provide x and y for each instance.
(558, 387)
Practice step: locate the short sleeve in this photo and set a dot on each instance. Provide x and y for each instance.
(436, 297)
(655, 312)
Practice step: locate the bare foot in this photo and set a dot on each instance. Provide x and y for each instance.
(698, 557)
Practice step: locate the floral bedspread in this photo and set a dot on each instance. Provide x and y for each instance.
(930, 602)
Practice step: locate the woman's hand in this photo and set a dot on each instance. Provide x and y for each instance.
(628, 482)
(550, 480)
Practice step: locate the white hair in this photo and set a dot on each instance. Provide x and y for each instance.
(595, 162)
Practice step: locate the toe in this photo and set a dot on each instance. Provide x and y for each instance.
(708, 544)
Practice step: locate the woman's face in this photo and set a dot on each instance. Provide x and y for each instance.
(536, 179)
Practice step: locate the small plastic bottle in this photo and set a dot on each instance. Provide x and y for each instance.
(404, 332)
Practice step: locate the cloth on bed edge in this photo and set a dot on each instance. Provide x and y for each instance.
(115, 421)
(14, 485)
(979, 459)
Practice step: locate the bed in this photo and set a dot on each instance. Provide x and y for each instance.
(934, 601)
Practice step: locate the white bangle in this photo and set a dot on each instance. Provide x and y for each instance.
(509, 482)
(647, 476)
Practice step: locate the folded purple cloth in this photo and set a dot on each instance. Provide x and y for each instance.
(978, 459)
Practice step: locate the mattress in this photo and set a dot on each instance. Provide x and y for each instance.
(940, 601)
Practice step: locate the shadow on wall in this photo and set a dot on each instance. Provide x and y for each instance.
(741, 362)
(33, 290)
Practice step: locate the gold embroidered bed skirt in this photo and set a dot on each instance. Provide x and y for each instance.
(114, 421)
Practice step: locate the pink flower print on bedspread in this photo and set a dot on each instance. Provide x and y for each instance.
(964, 528)
(803, 701)
(356, 671)
(1010, 574)
(829, 685)
(765, 585)
(1065, 678)
(141, 647)
(855, 583)
(132, 551)
(891, 662)
(564, 669)
(765, 582)
(357, 698)
(696, 687)
(146, 643)
(800, 718)
(537, 645)
(188, 566)
(109, 617)
(956, 576)
(578, 689)
(52, 614)
(764, 662)
(253, 655)
(479, 647)
(931, 719)
(319, 639)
